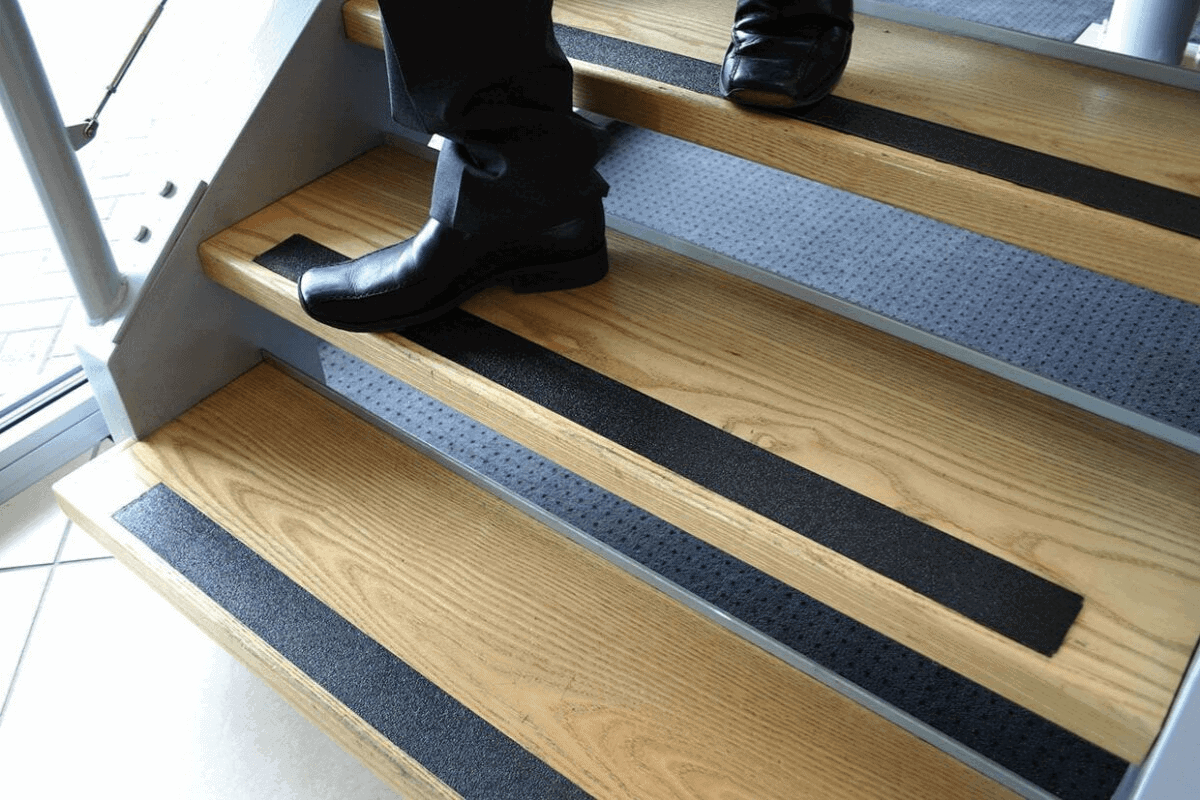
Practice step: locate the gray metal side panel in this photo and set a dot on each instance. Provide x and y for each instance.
(322, 100)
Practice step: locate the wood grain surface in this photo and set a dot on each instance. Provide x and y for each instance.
(1099, 509)
(607, 679)
(1131, 127)
(1117, 123)
(95, 492)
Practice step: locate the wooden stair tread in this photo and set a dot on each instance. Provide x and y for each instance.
(1139, 128)
(1098, 509)
(607, 679)
(1124, 125)
(93, 494)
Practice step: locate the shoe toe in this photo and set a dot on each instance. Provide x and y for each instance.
(320, 289)
(351, 294)
(785, 71)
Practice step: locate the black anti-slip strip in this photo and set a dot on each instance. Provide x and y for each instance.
(459, 747)
(1094, 187)
(983, 587)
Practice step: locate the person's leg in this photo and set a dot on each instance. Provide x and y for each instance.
(490, 77)
(516, 198)
(786, 53)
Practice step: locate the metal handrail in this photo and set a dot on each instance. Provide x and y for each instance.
(38, 128)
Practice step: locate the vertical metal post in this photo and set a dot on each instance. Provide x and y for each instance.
(38, 127)
(1171, 771)
(1157, 30)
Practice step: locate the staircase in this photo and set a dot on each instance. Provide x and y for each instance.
(698, 536)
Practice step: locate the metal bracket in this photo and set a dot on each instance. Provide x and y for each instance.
(83, 133)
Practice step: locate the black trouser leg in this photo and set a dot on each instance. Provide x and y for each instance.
(489, 76)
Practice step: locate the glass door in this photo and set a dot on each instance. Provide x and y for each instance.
(46, 413)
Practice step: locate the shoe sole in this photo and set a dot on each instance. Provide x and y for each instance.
(559, 276)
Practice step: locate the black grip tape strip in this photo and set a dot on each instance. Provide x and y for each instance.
(458, 746)
(985, 588)
(1097, 188)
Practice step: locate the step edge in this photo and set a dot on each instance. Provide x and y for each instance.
(363, 24)
(1077, 398)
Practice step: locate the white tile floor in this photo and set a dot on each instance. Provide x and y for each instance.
(108, 692)
(105, 690)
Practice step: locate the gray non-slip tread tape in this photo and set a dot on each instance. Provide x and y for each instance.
(1109, 191)
(1120, 343)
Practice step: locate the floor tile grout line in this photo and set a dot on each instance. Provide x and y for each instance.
(43, 565)
(37, 612)
(87, 560)
(24, 567)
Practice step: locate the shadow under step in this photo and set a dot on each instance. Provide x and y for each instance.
(1089, 167)
(455, 645)
(1015, 478)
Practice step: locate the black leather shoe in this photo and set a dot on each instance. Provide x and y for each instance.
(786, 53)
(439, 268)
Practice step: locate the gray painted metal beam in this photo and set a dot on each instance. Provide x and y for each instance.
(313, 101)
